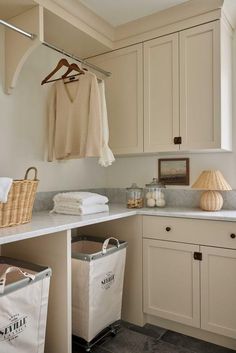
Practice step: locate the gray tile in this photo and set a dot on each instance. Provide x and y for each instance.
(165, 347)
(77, 349)
(148, 330)
(193, 344)
(127, 341)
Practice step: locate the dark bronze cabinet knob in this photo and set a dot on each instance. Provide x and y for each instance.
(233, 236)
(168, 229)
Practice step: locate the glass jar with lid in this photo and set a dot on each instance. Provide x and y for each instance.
(154, 194)
(134, 196)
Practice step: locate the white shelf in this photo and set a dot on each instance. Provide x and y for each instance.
(52, 25)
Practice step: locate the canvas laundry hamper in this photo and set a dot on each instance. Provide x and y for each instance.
(97, 284)
(24, 290)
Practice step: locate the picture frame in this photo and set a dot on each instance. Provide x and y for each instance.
(173, 171)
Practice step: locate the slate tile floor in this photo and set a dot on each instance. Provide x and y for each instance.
(152, 339)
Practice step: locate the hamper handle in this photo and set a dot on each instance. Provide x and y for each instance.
(106, 242)
(13, 269)
(35, 173)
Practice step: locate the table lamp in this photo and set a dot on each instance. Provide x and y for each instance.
(212, 181)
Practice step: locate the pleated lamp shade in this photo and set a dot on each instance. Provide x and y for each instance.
(212, 181)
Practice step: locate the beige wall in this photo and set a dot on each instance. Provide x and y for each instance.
(23, 139)
(23, 130)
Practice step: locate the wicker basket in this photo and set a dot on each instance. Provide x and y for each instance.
(19, 206)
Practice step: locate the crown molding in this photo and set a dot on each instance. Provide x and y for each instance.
(167, 17)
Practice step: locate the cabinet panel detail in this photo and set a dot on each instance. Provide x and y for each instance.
(161, 94)
(171, 281)
(124, 96)
(200, 113)
(218, 291)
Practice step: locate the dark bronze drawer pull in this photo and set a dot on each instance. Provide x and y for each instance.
(233, 236)
(168, 229)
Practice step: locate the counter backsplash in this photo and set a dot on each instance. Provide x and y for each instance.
(174, 198)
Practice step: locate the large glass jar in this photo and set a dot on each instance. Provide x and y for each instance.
(154, 195)
(134, 196)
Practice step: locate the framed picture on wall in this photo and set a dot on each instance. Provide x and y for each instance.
(174, 171)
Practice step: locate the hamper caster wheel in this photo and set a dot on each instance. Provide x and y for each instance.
(114, 331)
(87, 349)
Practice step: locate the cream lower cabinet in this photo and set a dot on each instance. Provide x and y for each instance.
(171, 281)
(218, 291)
(124, 96)
(186, 282)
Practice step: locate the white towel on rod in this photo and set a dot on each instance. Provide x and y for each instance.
(106, 155)
(84, 198)
(5, 186)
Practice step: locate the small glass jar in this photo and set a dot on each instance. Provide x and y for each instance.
(134, 196)
(154, 194)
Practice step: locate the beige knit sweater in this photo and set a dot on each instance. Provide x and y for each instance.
(75, 127)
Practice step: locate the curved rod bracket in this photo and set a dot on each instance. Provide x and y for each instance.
(18, 47)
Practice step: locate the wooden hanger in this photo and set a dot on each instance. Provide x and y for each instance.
(73, 67)
(61, 63)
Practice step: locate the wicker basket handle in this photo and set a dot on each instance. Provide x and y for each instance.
(35, 173)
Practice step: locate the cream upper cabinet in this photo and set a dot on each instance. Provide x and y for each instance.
(172, 93)
(161, 94)
(218, 291)
(124, 95)
(171, 281)
(201, 117)
(187, 90)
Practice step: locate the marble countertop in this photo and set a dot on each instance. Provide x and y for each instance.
(195, 213)
(46, 223)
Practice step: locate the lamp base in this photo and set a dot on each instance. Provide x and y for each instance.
(211, 201)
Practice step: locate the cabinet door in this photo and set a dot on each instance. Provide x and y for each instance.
(161, 94)
(171, 281)
(124, 96)
(200, 87)
(218, 291)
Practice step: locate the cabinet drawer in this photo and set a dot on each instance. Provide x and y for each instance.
(192, 231)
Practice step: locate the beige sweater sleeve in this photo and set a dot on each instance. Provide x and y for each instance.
(94, 136)
(51, 123)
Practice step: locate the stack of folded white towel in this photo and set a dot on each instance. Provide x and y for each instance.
(80, 203)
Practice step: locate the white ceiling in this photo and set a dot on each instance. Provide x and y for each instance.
(230, 7)
(117, 12)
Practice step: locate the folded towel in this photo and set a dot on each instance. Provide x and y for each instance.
(79, 210)
(82, 197)
(5, 185)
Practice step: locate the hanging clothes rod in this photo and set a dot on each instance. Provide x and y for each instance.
(74, 57)
(17, 29)
(33, 36)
